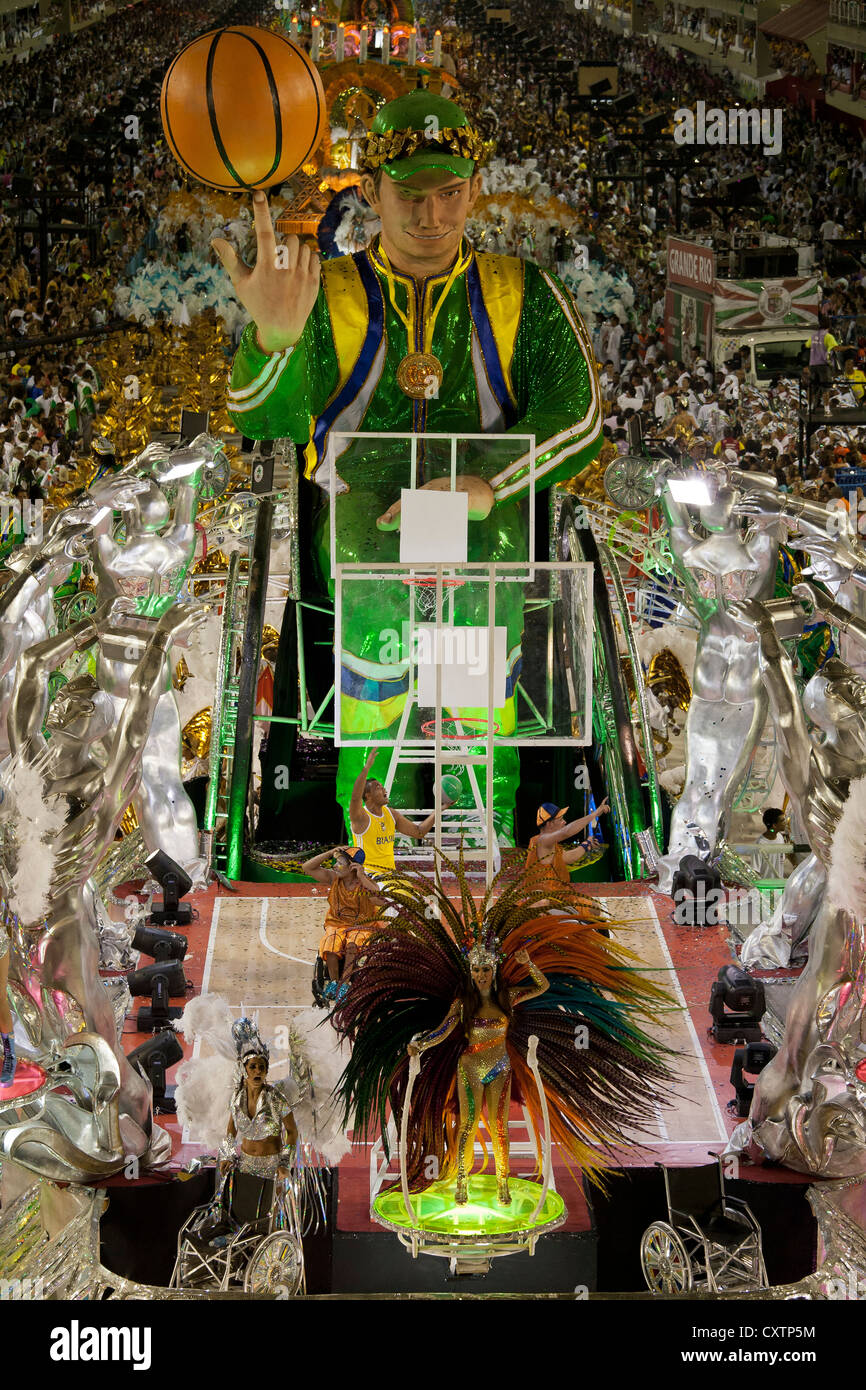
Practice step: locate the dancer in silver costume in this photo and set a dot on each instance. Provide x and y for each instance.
(150, 565)
(260, 1117)
(728, 707)
(808, 1106)
(59, 995)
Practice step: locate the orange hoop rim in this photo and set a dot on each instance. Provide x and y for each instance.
(428, 729)
(428, 581)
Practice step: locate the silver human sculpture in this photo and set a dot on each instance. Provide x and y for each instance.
(93, 1113)
(728, 707)
(27, 602)
(149, 566)
(809, 1107)
(836, 560)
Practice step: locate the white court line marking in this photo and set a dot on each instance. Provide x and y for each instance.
(663, 1129)
(699, 1052)
(205, 981)
(263, 938)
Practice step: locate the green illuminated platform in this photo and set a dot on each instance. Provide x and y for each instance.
(441, 1227)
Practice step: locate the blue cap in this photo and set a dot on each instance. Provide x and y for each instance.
(359, 857)
(548, 810)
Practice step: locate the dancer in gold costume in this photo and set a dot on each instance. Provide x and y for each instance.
(484, 1069)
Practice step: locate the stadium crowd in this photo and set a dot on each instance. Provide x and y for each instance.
(79, 122)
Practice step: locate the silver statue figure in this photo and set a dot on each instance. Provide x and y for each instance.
(149, 565)
(835, 560)
(808, 1109)
(58, 993)
(715, 564)
(27, 602)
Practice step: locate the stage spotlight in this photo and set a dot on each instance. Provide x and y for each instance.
(737, 1006)
(160, 981)
(750, 1060)
(162, 945)
(699, 490)
(175, 883)
(697, 893)
(153, 1059)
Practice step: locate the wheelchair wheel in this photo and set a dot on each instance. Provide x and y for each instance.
(320, 979)
(277, 1267)
(664, 1260)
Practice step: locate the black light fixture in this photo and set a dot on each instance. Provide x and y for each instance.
(749, 1060)
(737, 1005)
(161, 980)
(175, 882)
(162, 945)
(153, 1059)
(697, 892)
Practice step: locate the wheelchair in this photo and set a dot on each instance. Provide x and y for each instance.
(710, 1241)
(247, 1236)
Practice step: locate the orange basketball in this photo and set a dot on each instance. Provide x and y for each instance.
(242, 108)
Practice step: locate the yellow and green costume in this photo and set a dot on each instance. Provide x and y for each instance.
(516, 359)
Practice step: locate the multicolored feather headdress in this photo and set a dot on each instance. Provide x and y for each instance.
(482, 948)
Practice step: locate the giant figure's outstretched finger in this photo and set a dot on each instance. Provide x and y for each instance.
(266, 238)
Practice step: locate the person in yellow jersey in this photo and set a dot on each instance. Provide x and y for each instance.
(374, 823)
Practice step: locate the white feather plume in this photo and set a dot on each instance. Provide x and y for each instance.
(846, 881)
(30, 825)
(318, 1115)
(203, 1095)
(207, 1018)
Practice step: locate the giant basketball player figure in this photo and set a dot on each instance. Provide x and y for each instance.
(420, 333)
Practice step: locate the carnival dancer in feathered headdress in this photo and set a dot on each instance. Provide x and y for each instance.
(585, 1001)
(260, 1117)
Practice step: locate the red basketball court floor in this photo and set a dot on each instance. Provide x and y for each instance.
(256, 948)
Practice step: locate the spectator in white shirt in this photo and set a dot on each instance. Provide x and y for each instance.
(614, 339)
(774, 862)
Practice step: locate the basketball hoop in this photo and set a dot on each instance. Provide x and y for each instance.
(449, 734)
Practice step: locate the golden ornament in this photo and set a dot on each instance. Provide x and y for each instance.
(420, 375)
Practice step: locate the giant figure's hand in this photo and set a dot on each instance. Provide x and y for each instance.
(816, 602)
(180, 621)
(119, 490)
(751, 615)
(281, 289)
(151, 454)
(69, 537)
(832, 559)
(759, 502)
(481, 499)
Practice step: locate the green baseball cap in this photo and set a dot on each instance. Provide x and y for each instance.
(422, 131)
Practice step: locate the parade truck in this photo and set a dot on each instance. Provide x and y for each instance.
(762, 325)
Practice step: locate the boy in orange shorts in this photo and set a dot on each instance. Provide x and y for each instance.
(546, 855)
(354, 912)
